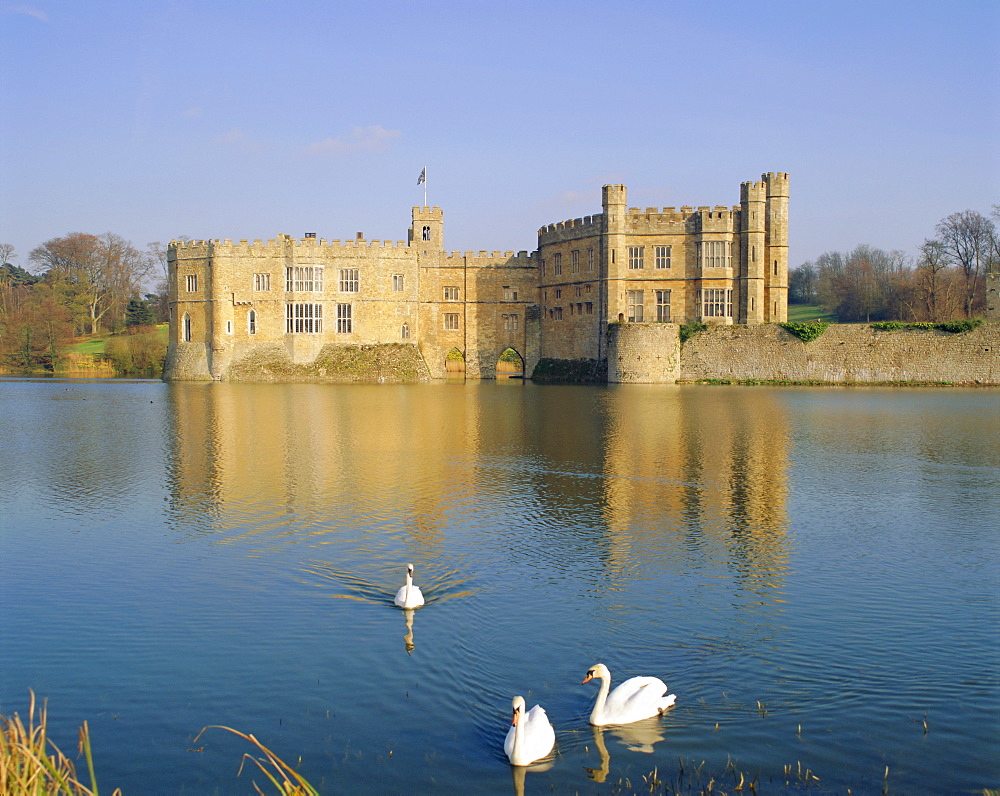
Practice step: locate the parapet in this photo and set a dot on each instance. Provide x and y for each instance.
(425, 213)
(777, 183)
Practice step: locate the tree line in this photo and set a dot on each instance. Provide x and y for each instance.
(74, 285)
(946, 282)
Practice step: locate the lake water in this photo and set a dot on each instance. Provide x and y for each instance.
(814, 572)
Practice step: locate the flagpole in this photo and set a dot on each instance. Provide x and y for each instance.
(425, 186)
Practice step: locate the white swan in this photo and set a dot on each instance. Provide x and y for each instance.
(409, 596)
(530, 736)
(637, 698)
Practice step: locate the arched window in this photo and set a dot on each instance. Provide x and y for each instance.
(405, 331)
(252, 322)
(187, 328)
(427, 233)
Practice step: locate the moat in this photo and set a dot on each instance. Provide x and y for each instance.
(812, 571)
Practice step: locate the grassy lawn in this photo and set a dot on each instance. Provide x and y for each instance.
(801, 313)
(94, 343)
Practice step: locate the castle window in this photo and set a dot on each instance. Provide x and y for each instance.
(252, 322)
(304, 279)
(574, 259)
(556, 313)
(590, 259)
(635, 257)
(590, 307)
(229, 327)
(405, 331)
(261, 282)
(714, 253)
(509, 293)
(558, 292)
(510, 323)
(451, 294)
(451, 321)
(557, 264)
(344, 319)
(775, 267)
(349, 281)
(187, 328)
(717, 303)
(425, 234)
(577, 291)
(634, 300)
(397, 283)
(303, 318)
(662, 256)
(192, 283)
(663, 306)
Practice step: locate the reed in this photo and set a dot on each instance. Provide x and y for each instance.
(282, 776)
(31, 763)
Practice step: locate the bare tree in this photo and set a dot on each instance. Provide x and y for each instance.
(968, 239)
(7, 254)
(108, 270)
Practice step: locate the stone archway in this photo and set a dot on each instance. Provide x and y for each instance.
(454, 362)
(510, 364)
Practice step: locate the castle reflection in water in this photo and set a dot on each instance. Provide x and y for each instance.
(667, 476)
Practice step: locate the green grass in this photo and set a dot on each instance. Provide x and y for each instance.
(803, 313)
(95, 343)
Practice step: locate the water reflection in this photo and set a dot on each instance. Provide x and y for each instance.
(408, 643)
(612, 483)
(639, 736)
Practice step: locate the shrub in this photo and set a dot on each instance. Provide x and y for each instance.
(806, 331)
(689, 330)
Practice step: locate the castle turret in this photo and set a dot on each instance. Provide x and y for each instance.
(777, 246)
(614, 256)
(753, 231)
(427, 230)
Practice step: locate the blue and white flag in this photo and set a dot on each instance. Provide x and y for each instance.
(423, 176)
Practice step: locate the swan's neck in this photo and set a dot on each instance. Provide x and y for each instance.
(409, 584)
(518, 737)
(602, 696)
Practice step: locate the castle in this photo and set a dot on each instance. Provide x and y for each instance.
(284, 302)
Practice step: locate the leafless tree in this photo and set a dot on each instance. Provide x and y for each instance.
(969, 239)
(107, 270)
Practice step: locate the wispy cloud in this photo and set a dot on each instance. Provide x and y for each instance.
(29, 11)
(191, 112)
(361, 139)
(237, 139)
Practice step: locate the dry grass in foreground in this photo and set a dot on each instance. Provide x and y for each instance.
(30, 763)
(282, 776)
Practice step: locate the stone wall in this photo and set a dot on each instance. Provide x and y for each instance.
(643, 353)
(844, 354)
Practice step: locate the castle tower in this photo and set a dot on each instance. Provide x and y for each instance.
(427, 229)
(753, 230)
(614, 256)
(777, 246)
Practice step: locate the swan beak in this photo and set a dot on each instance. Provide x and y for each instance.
(513, 721)
(587, 679)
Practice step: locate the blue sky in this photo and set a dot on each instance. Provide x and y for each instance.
(156, 119)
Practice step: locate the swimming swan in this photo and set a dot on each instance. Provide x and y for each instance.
(635, 699)
(530, 736)
(409, 596)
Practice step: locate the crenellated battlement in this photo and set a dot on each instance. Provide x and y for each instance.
(588, 225)
(425, 213)
(777, 183)
(282, 242)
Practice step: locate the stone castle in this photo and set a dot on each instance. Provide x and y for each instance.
(253, 310)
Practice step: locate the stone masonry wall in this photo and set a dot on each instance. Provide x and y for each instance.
(844, 354)
(643, 353)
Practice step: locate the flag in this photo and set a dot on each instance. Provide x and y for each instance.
(423, 176)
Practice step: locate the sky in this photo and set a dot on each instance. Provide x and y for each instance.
(162, 119)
